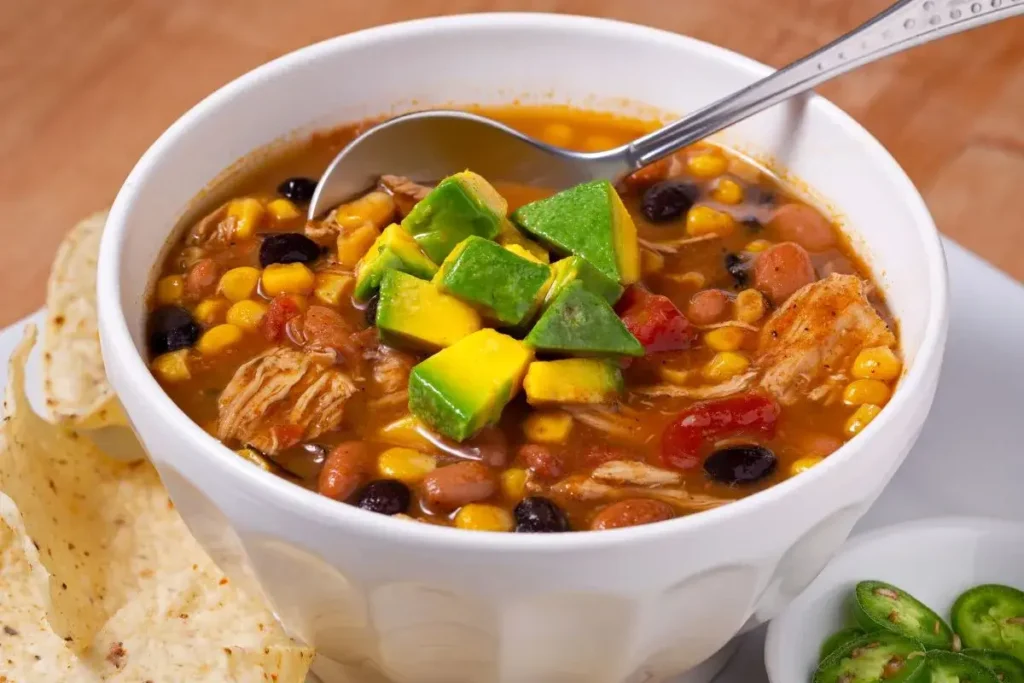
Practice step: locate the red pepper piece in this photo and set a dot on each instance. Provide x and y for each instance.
(281, 310)
(747, 414)
(655, 321)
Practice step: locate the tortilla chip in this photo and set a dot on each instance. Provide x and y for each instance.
(107, 582)
(74, 382)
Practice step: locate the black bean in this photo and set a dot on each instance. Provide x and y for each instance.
(760, 195)
(171, 328)
(738, 268)
(668, 200)
(752, 224)
(740, 464)
(297, 189)
(539, 515)
(386, 496)
(288, 247)
(370, 312)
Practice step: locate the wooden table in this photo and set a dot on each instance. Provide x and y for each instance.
(87, 85)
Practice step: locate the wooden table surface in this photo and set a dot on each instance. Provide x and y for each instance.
(87, 85)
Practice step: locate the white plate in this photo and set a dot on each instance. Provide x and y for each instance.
(968, 460)
(933, 560)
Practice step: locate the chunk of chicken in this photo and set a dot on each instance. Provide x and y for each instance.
(405, 191)
(391, 369)
(216, 227)
(282, 397)
(814, 333)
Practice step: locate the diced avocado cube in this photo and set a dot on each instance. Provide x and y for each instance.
(412, 312)
(461, 205)
(393, 250)
(581, 323)
(510, 237)
(460, 390)
(578, 269)
(573, 380)
(588, 220)
(503, 286)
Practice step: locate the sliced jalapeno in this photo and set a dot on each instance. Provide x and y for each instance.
(1008, 669)
(874, 658)
(953, 667)
(879, 605)
(991, 617)
(838, 639)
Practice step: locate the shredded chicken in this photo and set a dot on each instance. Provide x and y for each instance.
(731, 386)
(281, 397)
(730, 323)
(216, 227)
(405, 192)
(391, 369)
(672, 246)
(325, 232)
(814, 332)
(613, 420)
(635, 473)
(583, 488)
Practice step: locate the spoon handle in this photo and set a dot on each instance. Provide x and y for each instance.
(905, 24)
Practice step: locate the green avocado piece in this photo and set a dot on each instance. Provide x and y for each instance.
(581, 323)
(504, 286)
(412, 312)
(588, 220)
(461, 205)
(510, 236)
(460, 390)
(572, 380)
(393, 250)
(578, 269)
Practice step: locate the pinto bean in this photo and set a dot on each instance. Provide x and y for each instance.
(708, 306)
(781, 270)
(201, 279)
(347, 466)
(324, 328)
(632, 512)
(801, 224)
(542, 460)
(456, 485)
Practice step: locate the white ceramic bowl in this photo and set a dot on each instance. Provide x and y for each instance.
(935, 560)
(387, 600)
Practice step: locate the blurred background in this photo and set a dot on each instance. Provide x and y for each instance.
(87, 85)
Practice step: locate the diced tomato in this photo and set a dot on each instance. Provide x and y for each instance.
(655, 321)
(744, 415)
(281, 310)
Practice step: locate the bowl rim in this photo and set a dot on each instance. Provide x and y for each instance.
(119, 348)
(779, 633)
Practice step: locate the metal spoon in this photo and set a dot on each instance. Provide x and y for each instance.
(429, 145)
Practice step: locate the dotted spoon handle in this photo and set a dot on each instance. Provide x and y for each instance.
(904, 25)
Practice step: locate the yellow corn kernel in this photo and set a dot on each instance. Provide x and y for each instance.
(861, 391)
(651, 262)
(548, 427)
(246, 314)
(513, 483)
(405, 431)
(757, 246)
(557, 134)
(690, 278)
(861, 418)
(209, 312)
(172, 367)
(283, 210)
(726, 364)
(482, 517)
(287, 278)
(405, 465)
(727, 191)
(255, 458)
(673, 375)
(169, 289)
(597, 143)
(803, 464)
(353, 244)
(877, 362)
(332, 288)
(247, 213)
(218, 339)
(239, 284)
(749, 306)
(707, 165)
(725, 339)
(376, 207)
(703, 220)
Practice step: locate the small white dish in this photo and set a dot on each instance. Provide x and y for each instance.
(935, 560)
